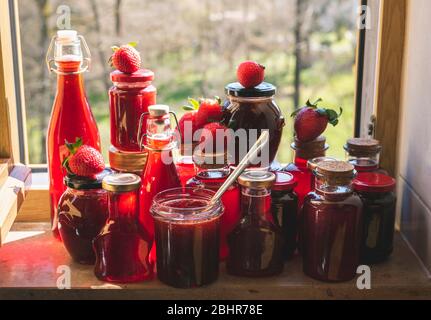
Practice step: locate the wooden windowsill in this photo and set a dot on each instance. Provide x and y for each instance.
(29, 270)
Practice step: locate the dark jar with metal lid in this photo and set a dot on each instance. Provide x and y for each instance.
(122, 248)
(364, 154)
(377, 192)
(254, 109)
(256, 244)
(332, 224)
(285, 210)
(82, 212)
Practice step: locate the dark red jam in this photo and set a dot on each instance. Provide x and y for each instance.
(187, 232)
(377, 192)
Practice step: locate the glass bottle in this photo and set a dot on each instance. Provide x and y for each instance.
(160, 173)
(186, 167)
(82, 211)
(285, 210)
(187, 232)
(305, 151)
(256, 244)
(332, 224)
(212, 172)
(254, 109)
(71, 116)
(377, 192)
(364, 154)
(129, 98)
(122, 250)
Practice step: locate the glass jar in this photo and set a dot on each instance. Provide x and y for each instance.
(254, 109)
(305, 151)
(187, 233)
(364, 154)
(285, 210)
(122, 249)
(82, 212)
(212, 176)
(312, 165)
(377, 192)
(129, 98)
(332, 224)
(256, 244)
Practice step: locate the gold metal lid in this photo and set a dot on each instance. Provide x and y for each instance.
(121, 182)
(362, 147)
(257, 179)
(313, 163)
(127, 161)
(312, 149)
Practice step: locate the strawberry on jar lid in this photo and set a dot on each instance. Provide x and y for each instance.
(374, 182)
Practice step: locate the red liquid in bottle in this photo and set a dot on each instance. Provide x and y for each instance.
(122, 250)
(186, 169)
(71, 118)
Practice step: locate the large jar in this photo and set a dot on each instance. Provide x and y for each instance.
(332, 225)
(377, 192)
(129, 99)
(82, 212)
(254, 109)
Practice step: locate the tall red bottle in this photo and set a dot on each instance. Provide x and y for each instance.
(160, 172)
(71, 114)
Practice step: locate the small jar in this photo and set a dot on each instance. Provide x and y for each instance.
(285, 210)
(122, 249)
(254, 109)
(256, 244)
(129, 99)
(82, 212)
(332, 225)
(313, 164)
(377, 192)
(364, 154)
(187, 233)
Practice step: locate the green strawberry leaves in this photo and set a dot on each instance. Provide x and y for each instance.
(73, 148)
(194, 105)
(333, 116)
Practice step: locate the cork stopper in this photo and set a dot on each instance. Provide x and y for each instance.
(310, 150)
(336, 172)
(313, 163)
(127, 161)
(363, 147)
(210, 161)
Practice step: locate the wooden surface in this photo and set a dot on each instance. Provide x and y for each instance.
(390, 66)
(28, 270)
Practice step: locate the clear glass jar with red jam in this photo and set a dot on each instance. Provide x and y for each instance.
(377, 192)
(187, 233)
(82, 212)
(364, 154)
(254, 109)
(129, 98)
(332, 224)
(256, 244)
(305, 151)
(211, 175)
(285, 210)
(122, 249)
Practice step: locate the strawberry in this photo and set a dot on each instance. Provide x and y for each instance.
(250, 74)
(211, 133)
(208, 110)
(186, 122)
(126, 58)
(311, 121)
(83, 161)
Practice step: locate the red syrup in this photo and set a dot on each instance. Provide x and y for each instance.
(122, 250)
(213, 180)
(187, 233)
(186, 169)
(129, 98)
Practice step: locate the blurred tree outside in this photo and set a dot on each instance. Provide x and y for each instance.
(194, 46)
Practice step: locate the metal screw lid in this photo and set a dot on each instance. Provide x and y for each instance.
(257, 179)
(121, 182)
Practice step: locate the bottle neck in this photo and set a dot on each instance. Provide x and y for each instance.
(69, 78)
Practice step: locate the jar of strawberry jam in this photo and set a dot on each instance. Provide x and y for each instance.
(377, 192)
(129, 98)
(256, 244)
(254, 110)
(364, 154)
(332, 224)
(187, 233)
(82, 212)
(122, 249)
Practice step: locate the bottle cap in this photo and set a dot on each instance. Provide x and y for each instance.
(141, 76)
(284, 182)
(257, 179)
(121, 182)
(336, 172)
(374, 182)
(362, 147)
(159, 110)
(67, 36)
(265, 89)
(312, 149)
(313, 163)
(82, 183)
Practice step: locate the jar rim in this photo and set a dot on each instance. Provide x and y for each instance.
(374, 183)
(166, 206)
(265, 89)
